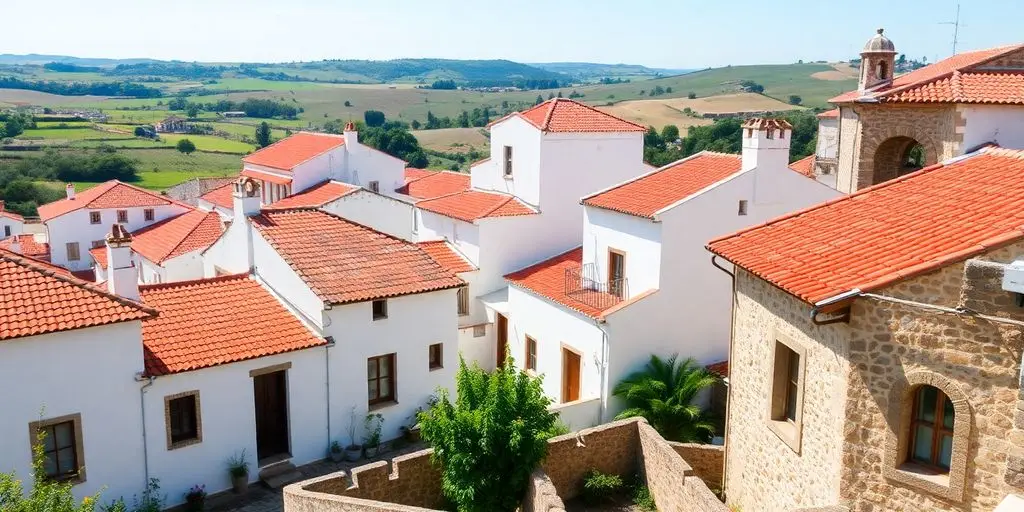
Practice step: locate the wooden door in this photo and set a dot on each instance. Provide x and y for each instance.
(270, 394)
(570, 375)
(502, 336)
(616, 272)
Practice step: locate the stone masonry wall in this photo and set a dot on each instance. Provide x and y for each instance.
(611, 448)
(668, 476)
(762, 471)
(541, 495)
(969, 357)
(707, 461)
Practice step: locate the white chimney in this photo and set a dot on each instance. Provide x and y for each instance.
(70, 190)
(246, 198)
(351, 136)
(766, 143)
(122, 276)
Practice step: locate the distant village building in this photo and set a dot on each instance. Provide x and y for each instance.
(11, 224)
(191, 190)
(173, 124)
(233, 114)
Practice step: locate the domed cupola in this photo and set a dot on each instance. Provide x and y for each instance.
(877, 60)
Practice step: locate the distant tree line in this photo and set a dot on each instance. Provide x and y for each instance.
(184, 70)
(391, 137)
(13, 124)
(253, 107)
(81, 88)
(444, 85)
(611, 81)
(19, 179)
(63, 67)
(466, 119)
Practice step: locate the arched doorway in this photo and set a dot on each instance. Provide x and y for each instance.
(898, 156)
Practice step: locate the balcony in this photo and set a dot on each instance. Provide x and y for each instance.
(585, 285)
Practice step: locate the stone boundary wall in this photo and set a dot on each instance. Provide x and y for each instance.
(707, 461)
(541, 495)
(670, 478)
(611, 448)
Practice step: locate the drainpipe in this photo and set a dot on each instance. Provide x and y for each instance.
(603, 395)
(327, 369)
(728, 398)
(140, 377)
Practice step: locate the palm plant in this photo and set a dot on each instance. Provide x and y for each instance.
(663, 392)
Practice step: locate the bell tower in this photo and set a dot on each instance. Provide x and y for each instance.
(877, 62)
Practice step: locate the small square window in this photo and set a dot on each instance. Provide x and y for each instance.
(463, 297)
(786, 400)
(72, 248)
(148, 214)
(183, 419)
(380, 309)
(507, 170)
(94, 218)
(743, 207)
(375, 186)
(380, 375)
(436, 356)
(122, 215)
(531, 354)
(479, 331)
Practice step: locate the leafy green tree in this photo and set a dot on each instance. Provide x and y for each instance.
(185, 146)
(348, 103)
(374, 118)
(491, 438)
(263, 135)
(691, 95)
(192, 110)
(539, 100)
(669, 133)
(795, 100)
(663, 392)
(46, 495)
(415, 124)
(652, 139)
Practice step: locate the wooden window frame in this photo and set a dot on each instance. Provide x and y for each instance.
(384, 309)
(462, 296)
(95, 218)
(76, 421)
(375, 186)
(122, 216)
(174, 445)
(621, 290)
(77, 251)
(530, 358)
(938, 429)
(148, 214)
(392, 397)
(785, 423)
(506, 161)
(438, 363)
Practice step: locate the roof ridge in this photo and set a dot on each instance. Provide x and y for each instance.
(652, 172)
(178, 284)
(956, 85)
(542, 261)
(487, 213)
(414, 180)
(250, 155)
(69, 278)
(599, 111)
(203, 218)
(969, 67)
(551, 112)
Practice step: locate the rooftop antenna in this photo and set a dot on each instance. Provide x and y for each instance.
(956, 27)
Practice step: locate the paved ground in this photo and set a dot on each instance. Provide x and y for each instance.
(259, 498)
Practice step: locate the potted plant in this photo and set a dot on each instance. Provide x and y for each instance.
(371, 440)
(337, 455)
(353, 451)
(238, 467)
(195, 498)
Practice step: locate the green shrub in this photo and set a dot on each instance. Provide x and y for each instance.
(44, 494)
(643, 500)
(598, 487)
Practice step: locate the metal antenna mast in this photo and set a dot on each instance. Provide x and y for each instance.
(956, 27)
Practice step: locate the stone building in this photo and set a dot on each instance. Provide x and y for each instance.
(876, 356)
(892, 125)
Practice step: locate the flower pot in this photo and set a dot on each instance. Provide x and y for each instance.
(353, 453)
(372, 451)
(239, 483)
(337, 456)
(413, 434)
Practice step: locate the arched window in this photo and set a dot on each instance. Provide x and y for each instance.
(883, 70)
(931, 428)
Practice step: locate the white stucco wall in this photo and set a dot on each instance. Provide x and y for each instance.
(183, 267)
(225, 213)
(16, 227)
(230, 252)
(1001, 124)
(84, 371)
(227, 412)
(638, 238)
(380, 212)
(828, 138)
(366, 164)
(462, 234)
(279, 276)
(75, 227)
(414, 323)
(525, 140)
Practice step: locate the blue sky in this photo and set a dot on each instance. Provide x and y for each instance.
(664, 33)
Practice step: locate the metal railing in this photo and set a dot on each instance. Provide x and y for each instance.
(584, 285)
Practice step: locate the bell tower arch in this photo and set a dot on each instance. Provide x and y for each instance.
(877, 62)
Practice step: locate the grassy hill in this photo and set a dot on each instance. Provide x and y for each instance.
(590, 71)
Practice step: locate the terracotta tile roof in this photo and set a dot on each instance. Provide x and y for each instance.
(961, 78)
(344, 262)
(565, 115)
(804, 166)
(829, 114)
(431, 184)
(38, 298)
(28, 246)
(315, 196)
(720, 368)
(87, 275)
(646, 195)
(112, 194)
(471, 205)
(888, 232)
(412, 173)
(547, 279)
(289, 152)
(99, 255)
(178, 235)
(266, 176)
(447, 256)
(220, 196)
(209, 322)
(10, 215)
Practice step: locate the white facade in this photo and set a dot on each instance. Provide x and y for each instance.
(828, 138)
(76, 227)
(10, 226)
(383, 213)
(999, 124)
(182, 267)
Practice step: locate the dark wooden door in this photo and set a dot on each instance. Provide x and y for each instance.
(570, 376)
(502, 336)
(271, 395)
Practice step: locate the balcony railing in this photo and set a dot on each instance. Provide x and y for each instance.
(584, 285)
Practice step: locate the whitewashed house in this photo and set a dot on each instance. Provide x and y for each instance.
(824, 162)
(11, 224)
(387, 213)
(522, 203)
(81, 221)
(639, 284)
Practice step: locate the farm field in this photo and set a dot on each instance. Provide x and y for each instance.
(725, 103)
(453, 140)
(656, 113)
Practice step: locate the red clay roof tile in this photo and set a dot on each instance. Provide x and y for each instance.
(221, 196)
(804, 166)
(38, 298)
(266, 176)
(112, 194)
(548, 280)
(289, 152)
(343, 262)
(646, 195)
(829, 114)
(565, 115)
(99, 255)
(888, 232)
(28, 246)
(720, 368)
(471, 205)
(209, 322)
(447, 256)
(315, 196)
(176, 236)
(412, 173)
(430, 184)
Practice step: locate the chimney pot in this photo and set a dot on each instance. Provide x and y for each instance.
(122, 276)
(70, 190)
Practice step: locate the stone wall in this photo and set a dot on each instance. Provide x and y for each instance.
(541, 495)
(612, 448)
(707, 461)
